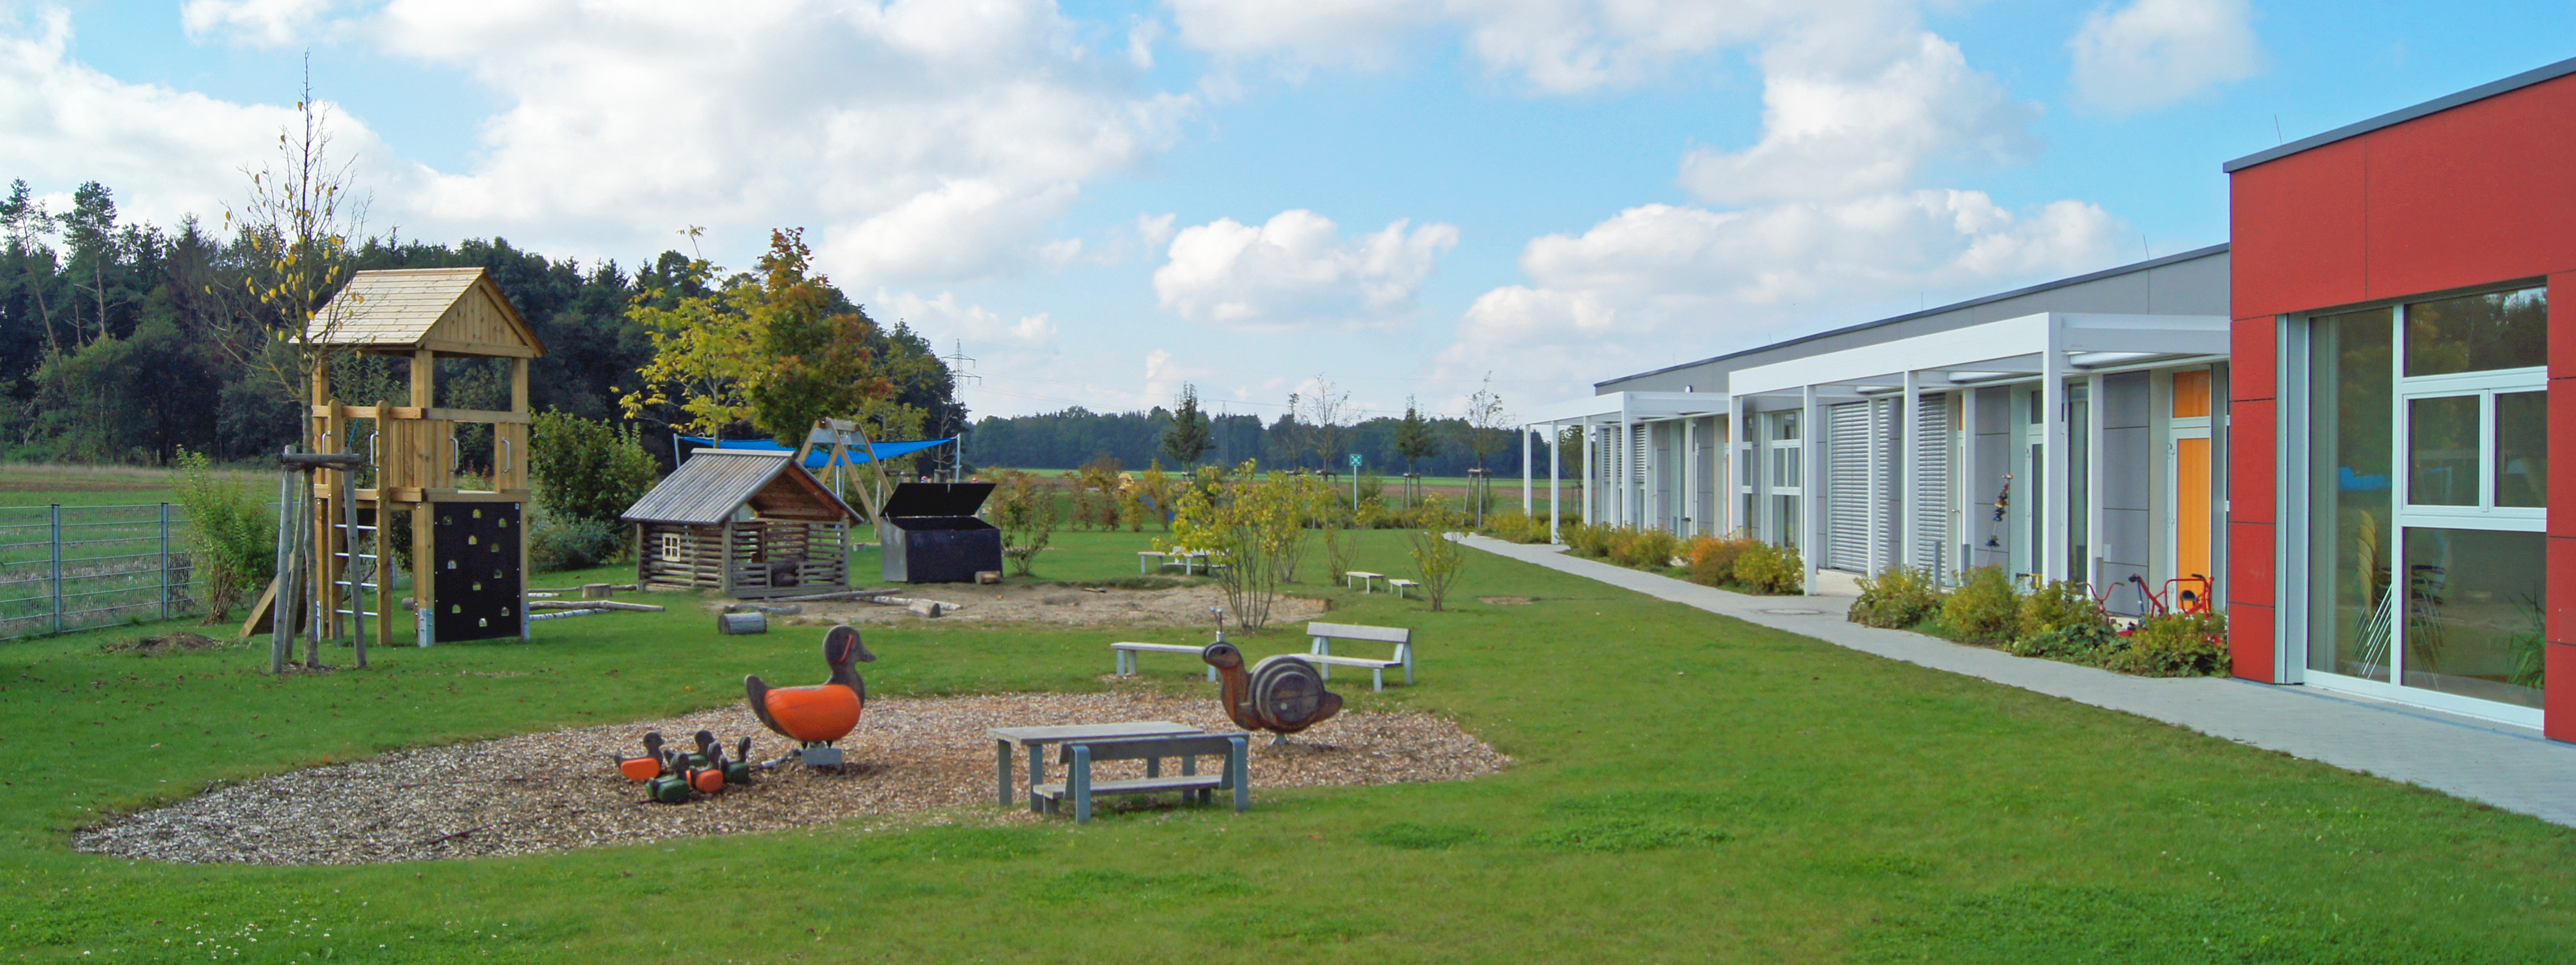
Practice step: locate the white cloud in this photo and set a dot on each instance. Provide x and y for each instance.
(166, 153)
(1854, 107)
(1659, 283)
(944, 317)
(2152, 53)
(1554, 46)
(1296, 269)
(262, 23)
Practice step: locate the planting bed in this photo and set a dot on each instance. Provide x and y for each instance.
(558, 790)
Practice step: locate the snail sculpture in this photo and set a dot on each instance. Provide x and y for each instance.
(1282, 694)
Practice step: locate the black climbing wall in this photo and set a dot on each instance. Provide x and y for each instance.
(477, 586)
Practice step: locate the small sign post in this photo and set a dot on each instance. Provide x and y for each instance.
(1355, 482)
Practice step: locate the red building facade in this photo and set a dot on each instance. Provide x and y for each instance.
(2404, 329)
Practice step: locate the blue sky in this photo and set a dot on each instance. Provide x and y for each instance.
(1102, 201)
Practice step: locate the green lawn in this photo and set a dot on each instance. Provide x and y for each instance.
(1686, 787)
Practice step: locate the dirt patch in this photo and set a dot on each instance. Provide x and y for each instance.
(557, 791)
(173, 642)
(1063, 605)
(1504, 600)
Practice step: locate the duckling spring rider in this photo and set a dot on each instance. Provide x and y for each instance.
(816, 716)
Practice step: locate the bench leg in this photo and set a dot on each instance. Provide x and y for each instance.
(1037, 775)
(1211, 673)
(1377, 679)
(1238, 758)
(1078, 784)
(1408, 670)
(1002, 765)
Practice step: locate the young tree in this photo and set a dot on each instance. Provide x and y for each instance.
(1414, 440)
(816, 363)
(1321, 413)
(1190, 436)
(1485, 424)
(1437, 560)
(1025, 513)
(301, 223)
(705, 352)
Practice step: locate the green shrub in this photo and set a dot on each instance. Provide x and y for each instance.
(1712, 558)
(2092, 643)
(1985, 608)
(1764, 568)
(232, 541)
(2057, 606)
(1899, 597)
(2181, 645)
(1646, 548)
(587, 469)
(556, 543)
(1516, 527)
(1588, 539)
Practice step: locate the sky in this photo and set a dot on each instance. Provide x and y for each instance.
(1401, 200)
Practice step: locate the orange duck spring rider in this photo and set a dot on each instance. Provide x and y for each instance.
(816, 716)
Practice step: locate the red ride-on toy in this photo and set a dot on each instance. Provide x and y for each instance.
(2183, 594)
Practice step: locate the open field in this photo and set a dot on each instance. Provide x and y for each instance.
(1685, 787)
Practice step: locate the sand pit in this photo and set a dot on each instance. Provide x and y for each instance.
(1182, 606)
(556, 791)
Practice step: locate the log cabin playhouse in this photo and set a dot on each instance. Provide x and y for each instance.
(752, 524)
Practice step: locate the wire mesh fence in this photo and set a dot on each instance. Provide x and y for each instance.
(76, 567)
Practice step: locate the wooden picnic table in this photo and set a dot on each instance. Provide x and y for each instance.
(1366, 579)
(1035, 739)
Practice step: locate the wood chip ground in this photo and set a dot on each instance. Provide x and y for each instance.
(913, 759)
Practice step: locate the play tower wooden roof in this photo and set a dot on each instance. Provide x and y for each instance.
(451, 311)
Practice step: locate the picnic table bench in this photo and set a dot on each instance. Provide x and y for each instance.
(1401, 585)
(1034, 740)
(1321, 653)
(1188, 560)
(1080, 787)
(1367, 580)
(1125, 651)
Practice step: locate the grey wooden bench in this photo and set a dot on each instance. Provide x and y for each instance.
(1125, 652)
(1080, 787)
(1321, 652)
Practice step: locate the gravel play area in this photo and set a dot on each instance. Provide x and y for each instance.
(1182, 606)
(559, 790)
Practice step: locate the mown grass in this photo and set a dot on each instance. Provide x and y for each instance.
(1686, 787)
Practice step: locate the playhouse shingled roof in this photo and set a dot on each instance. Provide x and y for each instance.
(454, 311)
(714, 481)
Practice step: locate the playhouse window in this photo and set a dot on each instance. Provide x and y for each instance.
(671, 547)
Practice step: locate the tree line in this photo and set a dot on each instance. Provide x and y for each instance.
(1077, 436)
(126, 342)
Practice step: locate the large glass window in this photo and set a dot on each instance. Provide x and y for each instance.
(2349, 616)
(2473, 616)
(2442, 451)
(2522, 449)
(2438, 589)
(2478, 333)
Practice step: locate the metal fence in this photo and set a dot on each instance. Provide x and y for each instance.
(75, 567)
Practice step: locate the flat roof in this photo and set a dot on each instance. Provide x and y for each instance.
(1926, 313)
(2402, 115)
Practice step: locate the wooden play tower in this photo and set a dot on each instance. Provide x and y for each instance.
(467, 546)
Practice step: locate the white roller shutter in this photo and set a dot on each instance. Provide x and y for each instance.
(1847, 486)
(1933, 472)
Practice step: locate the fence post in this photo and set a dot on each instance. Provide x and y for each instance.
(56, 526)
(165, 561)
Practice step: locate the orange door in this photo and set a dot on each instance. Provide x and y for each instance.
(2191, 507)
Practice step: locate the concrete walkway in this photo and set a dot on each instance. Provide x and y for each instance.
(2499, 764)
